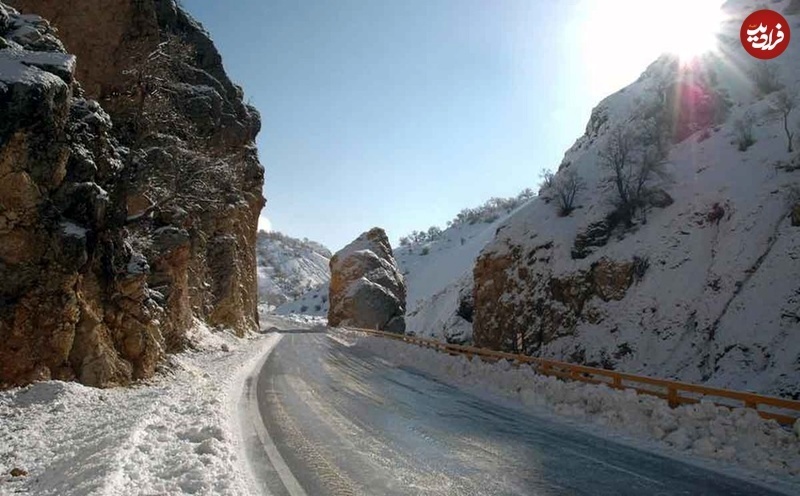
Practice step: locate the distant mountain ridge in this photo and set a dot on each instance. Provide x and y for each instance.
(289, 267)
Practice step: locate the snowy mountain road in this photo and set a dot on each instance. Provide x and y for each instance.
(340, 421)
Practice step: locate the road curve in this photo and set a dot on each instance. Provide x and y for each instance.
(338, 421)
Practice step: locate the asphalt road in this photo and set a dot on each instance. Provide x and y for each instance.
(337, 421)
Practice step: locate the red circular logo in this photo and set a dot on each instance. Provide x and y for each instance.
(765, 34)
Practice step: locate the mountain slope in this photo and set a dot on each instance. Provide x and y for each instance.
(439, 277)
(289, 267)
(705, 286)
(437, 267)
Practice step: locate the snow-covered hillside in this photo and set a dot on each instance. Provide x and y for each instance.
(438, 273)
(706, 287)
(289, 267)
(438, 269)
(313, 303)
(438, 277)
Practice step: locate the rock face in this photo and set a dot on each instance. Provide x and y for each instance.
(561, 304)
(367, 290)
(120, 221)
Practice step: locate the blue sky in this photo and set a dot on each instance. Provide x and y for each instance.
(400, 113)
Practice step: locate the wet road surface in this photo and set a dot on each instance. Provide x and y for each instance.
(341, 421)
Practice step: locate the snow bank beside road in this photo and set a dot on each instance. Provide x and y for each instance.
(175, 434)
(736, 437)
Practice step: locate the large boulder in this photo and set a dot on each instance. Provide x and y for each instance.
(367, 289)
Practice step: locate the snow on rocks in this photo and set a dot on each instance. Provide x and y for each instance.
(738, 437)
(175, 434)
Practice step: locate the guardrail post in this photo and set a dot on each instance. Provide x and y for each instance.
(617, 382)
(672, 396)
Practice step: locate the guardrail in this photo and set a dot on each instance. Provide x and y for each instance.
(676, 393)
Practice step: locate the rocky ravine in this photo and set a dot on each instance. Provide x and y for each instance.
(367, 289)
(121, 220)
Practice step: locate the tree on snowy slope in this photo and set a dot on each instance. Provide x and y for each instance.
(637, 158)
(782, 105)
(563, 188)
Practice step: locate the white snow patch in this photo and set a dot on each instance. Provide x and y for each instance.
(175, 434)
(73, 230)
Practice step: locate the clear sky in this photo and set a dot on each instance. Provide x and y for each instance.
(399, 113)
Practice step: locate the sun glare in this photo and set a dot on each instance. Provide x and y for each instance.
(617, 39)
(688, 28)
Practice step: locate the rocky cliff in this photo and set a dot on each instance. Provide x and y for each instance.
(367, 289)
(689, 270)
(128, 204)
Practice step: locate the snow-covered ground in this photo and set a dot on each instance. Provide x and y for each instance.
(724, 437)
(312, 303)
(175, 434)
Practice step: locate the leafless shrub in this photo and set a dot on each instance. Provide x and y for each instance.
(765, 79)
(565, 188)
(743, 131)
(793, 194)
(640, 266)
(546, 181)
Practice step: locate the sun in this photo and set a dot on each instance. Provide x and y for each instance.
(688, 28)
(617, 39)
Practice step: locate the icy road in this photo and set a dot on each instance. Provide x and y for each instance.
(331, 420)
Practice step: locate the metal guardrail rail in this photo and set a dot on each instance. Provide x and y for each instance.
(676, 393)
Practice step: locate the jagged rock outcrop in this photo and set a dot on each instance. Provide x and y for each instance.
(367, 289)
(562, 302)
(119, 220)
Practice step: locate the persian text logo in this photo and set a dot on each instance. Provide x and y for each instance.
(765, 34)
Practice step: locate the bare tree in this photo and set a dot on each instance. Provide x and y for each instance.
(149, 89)
(169, 161)
(635, 160)
(546, 183)
(783, 104)
(617, 155)
(566, 186)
